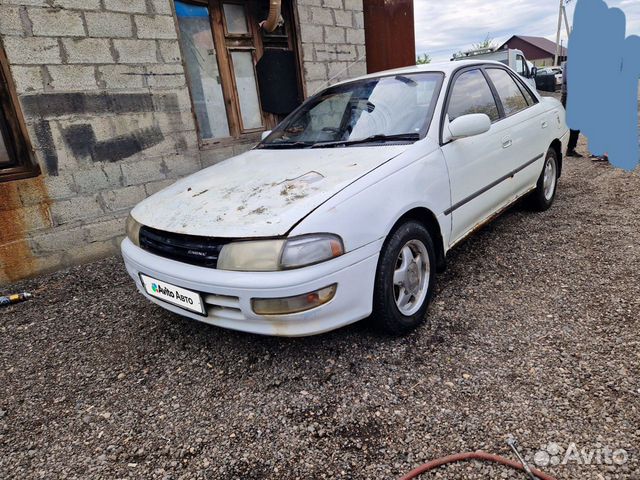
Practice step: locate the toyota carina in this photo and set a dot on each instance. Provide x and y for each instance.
(347, 209)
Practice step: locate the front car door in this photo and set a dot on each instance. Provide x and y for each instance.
(475, 164)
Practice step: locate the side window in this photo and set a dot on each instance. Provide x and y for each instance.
(527, 95)
(510, 95)
(521, 66)
(471, 94)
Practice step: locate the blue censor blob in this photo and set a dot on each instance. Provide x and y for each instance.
(604, 66)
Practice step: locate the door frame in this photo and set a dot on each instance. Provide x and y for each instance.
(502, 116)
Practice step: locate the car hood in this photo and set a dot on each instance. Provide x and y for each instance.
(261, 193)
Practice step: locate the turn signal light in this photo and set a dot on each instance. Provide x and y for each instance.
(295, 304)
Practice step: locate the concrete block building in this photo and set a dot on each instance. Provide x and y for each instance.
(104, 102)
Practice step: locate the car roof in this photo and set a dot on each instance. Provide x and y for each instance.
(443, 67)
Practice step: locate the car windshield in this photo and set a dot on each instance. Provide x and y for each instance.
(376, 110)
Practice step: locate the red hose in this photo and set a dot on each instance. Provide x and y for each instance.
(471, 456)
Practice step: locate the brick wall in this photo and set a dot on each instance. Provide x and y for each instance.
(104, 98)
(332, 39)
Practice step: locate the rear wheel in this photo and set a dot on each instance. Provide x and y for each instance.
(404, 279)
(544, 194)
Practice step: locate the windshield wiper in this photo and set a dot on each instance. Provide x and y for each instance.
(286, 145)
(409, 137)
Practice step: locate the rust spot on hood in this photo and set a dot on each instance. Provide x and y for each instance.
(16, 258)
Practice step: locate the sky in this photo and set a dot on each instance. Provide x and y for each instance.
(445, 27)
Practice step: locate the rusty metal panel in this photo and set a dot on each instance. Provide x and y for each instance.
(389, 34)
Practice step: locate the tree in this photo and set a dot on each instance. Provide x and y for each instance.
(486, 43)
(423, 59)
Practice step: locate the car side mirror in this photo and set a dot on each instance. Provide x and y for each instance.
(265, 134)
(469, 126)
(534, 72)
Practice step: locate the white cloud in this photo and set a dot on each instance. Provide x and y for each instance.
(443, 28)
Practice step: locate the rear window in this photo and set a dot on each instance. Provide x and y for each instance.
(513, 101)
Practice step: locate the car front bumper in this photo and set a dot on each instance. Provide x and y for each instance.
(227, 295)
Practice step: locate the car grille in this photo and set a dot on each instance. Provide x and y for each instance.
(195, 250)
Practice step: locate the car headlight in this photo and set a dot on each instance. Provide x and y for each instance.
(251, 256)
(307, 250)
(133, 230)
(272, 255)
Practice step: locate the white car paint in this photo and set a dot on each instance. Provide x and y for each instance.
(259, 193)
(358, 193)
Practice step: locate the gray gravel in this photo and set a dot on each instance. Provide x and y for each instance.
(533, 332)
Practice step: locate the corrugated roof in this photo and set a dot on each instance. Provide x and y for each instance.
(540, 42)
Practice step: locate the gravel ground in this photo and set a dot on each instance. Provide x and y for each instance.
(532, 332)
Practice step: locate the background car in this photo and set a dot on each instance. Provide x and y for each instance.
(556, 71)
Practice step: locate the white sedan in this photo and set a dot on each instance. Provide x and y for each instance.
(348, 208)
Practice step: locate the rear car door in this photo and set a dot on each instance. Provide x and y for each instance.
(476, 164)
(524, 118)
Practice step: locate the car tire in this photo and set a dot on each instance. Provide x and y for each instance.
(404, 282)
(545, 192)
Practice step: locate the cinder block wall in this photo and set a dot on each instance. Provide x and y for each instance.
(105, 101)
(332, 39)
(104, 97)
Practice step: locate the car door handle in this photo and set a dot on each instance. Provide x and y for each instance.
(545, 124)
(506, 142)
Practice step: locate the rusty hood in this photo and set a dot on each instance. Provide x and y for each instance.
(261, 193)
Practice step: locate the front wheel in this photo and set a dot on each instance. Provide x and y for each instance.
(544, 194)
(404, 279)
